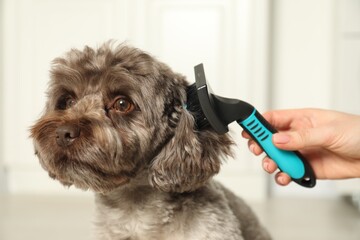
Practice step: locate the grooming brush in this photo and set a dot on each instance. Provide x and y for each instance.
(210, 110)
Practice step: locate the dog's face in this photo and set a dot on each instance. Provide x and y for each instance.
(115, 112)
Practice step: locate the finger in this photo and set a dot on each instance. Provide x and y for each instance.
(304, 138)
(269, 165)
(244, 134)
(254, 147)
(282, 119)
(282, 179)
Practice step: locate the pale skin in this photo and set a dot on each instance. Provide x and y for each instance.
(329, 140)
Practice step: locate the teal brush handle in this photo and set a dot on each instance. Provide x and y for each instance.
(290, 162)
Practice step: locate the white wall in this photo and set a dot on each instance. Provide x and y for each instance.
(303, 53)
(2, 169)
(347, 58)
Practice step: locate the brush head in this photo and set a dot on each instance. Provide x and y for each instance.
(210, 110)
(194, 107)
(203, 104)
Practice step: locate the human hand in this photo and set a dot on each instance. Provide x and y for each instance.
(329, 140)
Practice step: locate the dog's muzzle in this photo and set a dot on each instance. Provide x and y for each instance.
(66, 134)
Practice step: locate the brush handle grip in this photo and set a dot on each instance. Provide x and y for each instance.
(290, 162)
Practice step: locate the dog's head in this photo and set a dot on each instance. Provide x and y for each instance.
(115, 112)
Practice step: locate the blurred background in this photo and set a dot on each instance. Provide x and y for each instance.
(271, 53)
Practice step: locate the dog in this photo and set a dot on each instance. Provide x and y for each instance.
(115, 123)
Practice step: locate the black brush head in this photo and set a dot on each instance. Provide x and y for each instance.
(210, 110)
(194, 107)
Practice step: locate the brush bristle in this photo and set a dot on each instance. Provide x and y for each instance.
(194, 107)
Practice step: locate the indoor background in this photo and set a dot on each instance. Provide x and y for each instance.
(270, 53)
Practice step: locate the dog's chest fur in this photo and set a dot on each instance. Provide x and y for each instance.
(141, 213)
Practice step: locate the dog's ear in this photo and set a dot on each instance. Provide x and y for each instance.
(189, 158)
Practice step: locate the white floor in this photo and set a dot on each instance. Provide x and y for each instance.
(59, 217)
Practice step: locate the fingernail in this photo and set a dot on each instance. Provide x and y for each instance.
(266, 166)
(281, 138)
(252, 148)
(281, 180)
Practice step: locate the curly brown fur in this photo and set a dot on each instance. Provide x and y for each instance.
(149, 166)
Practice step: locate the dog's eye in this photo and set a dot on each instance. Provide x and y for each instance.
(70, 102)
(65, 103)
(123, 105)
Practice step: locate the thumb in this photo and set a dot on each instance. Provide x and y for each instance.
(297, 140)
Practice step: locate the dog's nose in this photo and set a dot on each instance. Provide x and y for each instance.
(66, 134)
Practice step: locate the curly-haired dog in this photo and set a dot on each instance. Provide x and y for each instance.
(114, 123)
